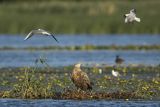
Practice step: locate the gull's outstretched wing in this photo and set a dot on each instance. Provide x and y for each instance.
(41, 32)
(48, 33)
(29, 35)
(126, 20)
(54, 38)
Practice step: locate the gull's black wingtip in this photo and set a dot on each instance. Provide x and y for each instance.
(57, 41)
(55, 38)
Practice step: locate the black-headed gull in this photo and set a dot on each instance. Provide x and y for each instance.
(131, 17)
(115, 73)
(40, 32)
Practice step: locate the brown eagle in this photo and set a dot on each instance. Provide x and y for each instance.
(80, 78)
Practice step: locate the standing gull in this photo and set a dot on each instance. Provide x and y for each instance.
(131, 17)
(115, 73)
(80, 78)
(40, 32)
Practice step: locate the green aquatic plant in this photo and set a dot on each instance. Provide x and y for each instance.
(88, 47)
(139, 82)
(31, 84)
(96, 70)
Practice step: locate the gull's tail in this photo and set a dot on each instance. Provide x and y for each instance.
(137, 19)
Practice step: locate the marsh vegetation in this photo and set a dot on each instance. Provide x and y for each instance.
(135, 82)
(78, 17)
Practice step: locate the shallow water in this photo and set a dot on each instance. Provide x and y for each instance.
(75, 103)
(17, 58)
(65, 58)
(78, 40)
(14, 58)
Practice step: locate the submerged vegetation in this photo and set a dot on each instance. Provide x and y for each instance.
(78, 16)
(135, 82)
(88, 47)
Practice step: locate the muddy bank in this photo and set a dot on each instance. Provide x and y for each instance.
(82, 95)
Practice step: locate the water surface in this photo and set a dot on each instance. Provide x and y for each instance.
(78, 40)
(75, 103)
(17, 58)
(65, 58)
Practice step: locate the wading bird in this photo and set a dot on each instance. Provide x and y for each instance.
(119, 60)
(131, 17)
(80, 78)
(39, 32)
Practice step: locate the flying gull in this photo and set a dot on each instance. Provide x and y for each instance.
(131, 17)
(40, 32)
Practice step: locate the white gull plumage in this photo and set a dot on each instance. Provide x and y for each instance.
(39, 32)
(115, 73)
(131, 17)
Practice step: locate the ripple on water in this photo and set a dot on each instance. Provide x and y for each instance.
(75, 103)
